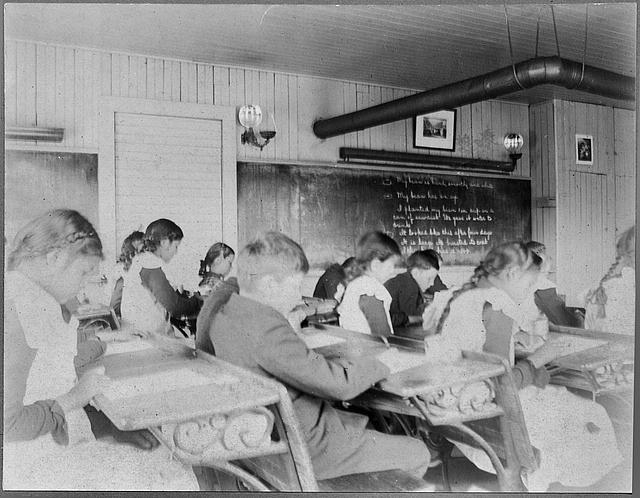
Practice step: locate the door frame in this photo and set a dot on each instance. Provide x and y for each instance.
(108, 107)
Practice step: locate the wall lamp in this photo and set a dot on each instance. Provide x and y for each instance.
(250, 116)
(513, 142)
(34, 133)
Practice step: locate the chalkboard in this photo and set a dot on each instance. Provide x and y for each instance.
(326, 209)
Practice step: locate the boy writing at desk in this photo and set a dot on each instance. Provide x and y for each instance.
(252, 331)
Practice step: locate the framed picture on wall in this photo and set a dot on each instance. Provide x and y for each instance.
(584, 149)
(436, 130)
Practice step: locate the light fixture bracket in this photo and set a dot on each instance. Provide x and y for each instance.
(249, 137)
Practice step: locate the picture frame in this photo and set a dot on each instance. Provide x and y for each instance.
(584, 149)
(435, 130)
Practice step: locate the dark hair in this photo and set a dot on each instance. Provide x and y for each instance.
(270, 253)
(499, 258)
(538, 251)
(426, 259)
(624, 247)
(212, 254)
(128, 250)
(351, 269)
(59, 228)
(375, 245)
(159, 230)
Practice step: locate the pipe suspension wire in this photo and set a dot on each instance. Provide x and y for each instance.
(537, 31)
(555, 29)
(513, 64)
(584, 51)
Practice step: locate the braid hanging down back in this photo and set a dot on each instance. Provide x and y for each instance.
(498, 259)
(478, 273)
(598, 296)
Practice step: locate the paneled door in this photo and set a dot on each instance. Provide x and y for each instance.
(168, 160)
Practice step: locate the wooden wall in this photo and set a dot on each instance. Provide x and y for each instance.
(38, 181)
(57, 86)
(579, 210)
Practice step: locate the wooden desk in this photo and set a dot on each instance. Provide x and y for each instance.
(230, 415)
(89, 315)
(448, 397)
(603, 369)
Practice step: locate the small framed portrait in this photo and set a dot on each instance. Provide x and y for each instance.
(436, 130)
(584, 149)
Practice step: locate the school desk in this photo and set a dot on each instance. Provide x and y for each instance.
(604, 368)
(473, 399)
(90, 315)
(208, 412)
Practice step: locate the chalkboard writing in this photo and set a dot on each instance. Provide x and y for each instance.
(327, 209)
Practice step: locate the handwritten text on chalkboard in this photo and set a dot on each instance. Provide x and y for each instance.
(461, 222)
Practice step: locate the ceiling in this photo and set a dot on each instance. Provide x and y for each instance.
(409, 46)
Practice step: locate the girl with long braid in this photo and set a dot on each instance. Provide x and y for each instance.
(573, 436)
(611, 306)
(52, 439)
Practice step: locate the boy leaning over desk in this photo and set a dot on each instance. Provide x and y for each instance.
(251, 330)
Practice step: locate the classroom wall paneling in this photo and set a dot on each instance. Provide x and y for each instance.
(543, 178)
(37, 181)
(59, 86)
(592, 199)
(625, 167)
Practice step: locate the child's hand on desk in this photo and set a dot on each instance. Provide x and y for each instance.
(92, 383)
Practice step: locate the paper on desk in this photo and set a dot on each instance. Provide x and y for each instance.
(162, 382)
(126, 347)
(562, 345)
(319, 340)
(397, 361)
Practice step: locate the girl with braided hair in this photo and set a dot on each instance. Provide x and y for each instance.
(52, 439)
(611, 306)
(573, 436)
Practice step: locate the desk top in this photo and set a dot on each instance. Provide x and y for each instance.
(584, 349)
(169, 384)
(421, 379)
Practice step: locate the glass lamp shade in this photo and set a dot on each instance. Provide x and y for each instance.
(513, 142)
(250, 116)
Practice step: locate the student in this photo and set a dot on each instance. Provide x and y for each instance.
(251, 330)
(546, 298)
(49, 440)
(611, 306)
(331, 284)
(366, 302)
(215, 267)
(131, 246)
(573, 435)
(438, 285)
(407, 302)
(148, 299)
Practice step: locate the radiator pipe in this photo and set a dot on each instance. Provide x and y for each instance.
(527, 74)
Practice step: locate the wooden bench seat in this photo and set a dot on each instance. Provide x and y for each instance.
(386, 481)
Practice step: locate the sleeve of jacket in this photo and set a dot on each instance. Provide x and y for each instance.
(548, 301)
(156, 281)
(284, 355)
(25, 422)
